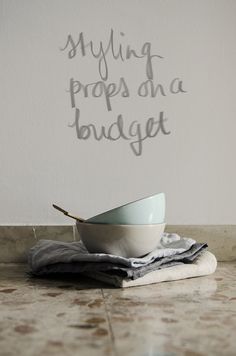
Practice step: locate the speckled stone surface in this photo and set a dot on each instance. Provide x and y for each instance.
(78, 316)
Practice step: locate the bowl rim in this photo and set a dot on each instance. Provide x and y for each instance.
(120, 225)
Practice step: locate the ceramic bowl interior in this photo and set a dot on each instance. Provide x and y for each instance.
(120, 240)
(148, 210)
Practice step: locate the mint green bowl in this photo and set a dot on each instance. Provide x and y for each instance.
(148, 210)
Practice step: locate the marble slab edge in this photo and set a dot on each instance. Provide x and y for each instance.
(15, 241)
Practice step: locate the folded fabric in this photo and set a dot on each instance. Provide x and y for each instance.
(203, 265)
(47, 252)
(132, 272)
(60, 257)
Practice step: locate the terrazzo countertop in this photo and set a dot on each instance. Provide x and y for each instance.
(78, 316)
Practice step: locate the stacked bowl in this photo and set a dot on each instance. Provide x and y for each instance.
(130, 230)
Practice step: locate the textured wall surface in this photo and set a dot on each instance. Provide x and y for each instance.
(43, 161)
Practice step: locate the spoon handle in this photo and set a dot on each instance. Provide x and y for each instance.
(67, 214)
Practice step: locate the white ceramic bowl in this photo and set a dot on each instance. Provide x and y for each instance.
(149, 210)
(120, 240)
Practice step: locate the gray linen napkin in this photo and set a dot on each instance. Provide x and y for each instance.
(72, 257)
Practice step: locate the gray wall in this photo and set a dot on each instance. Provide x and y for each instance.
(42, 159)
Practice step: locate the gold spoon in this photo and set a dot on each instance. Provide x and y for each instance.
(67, 214)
